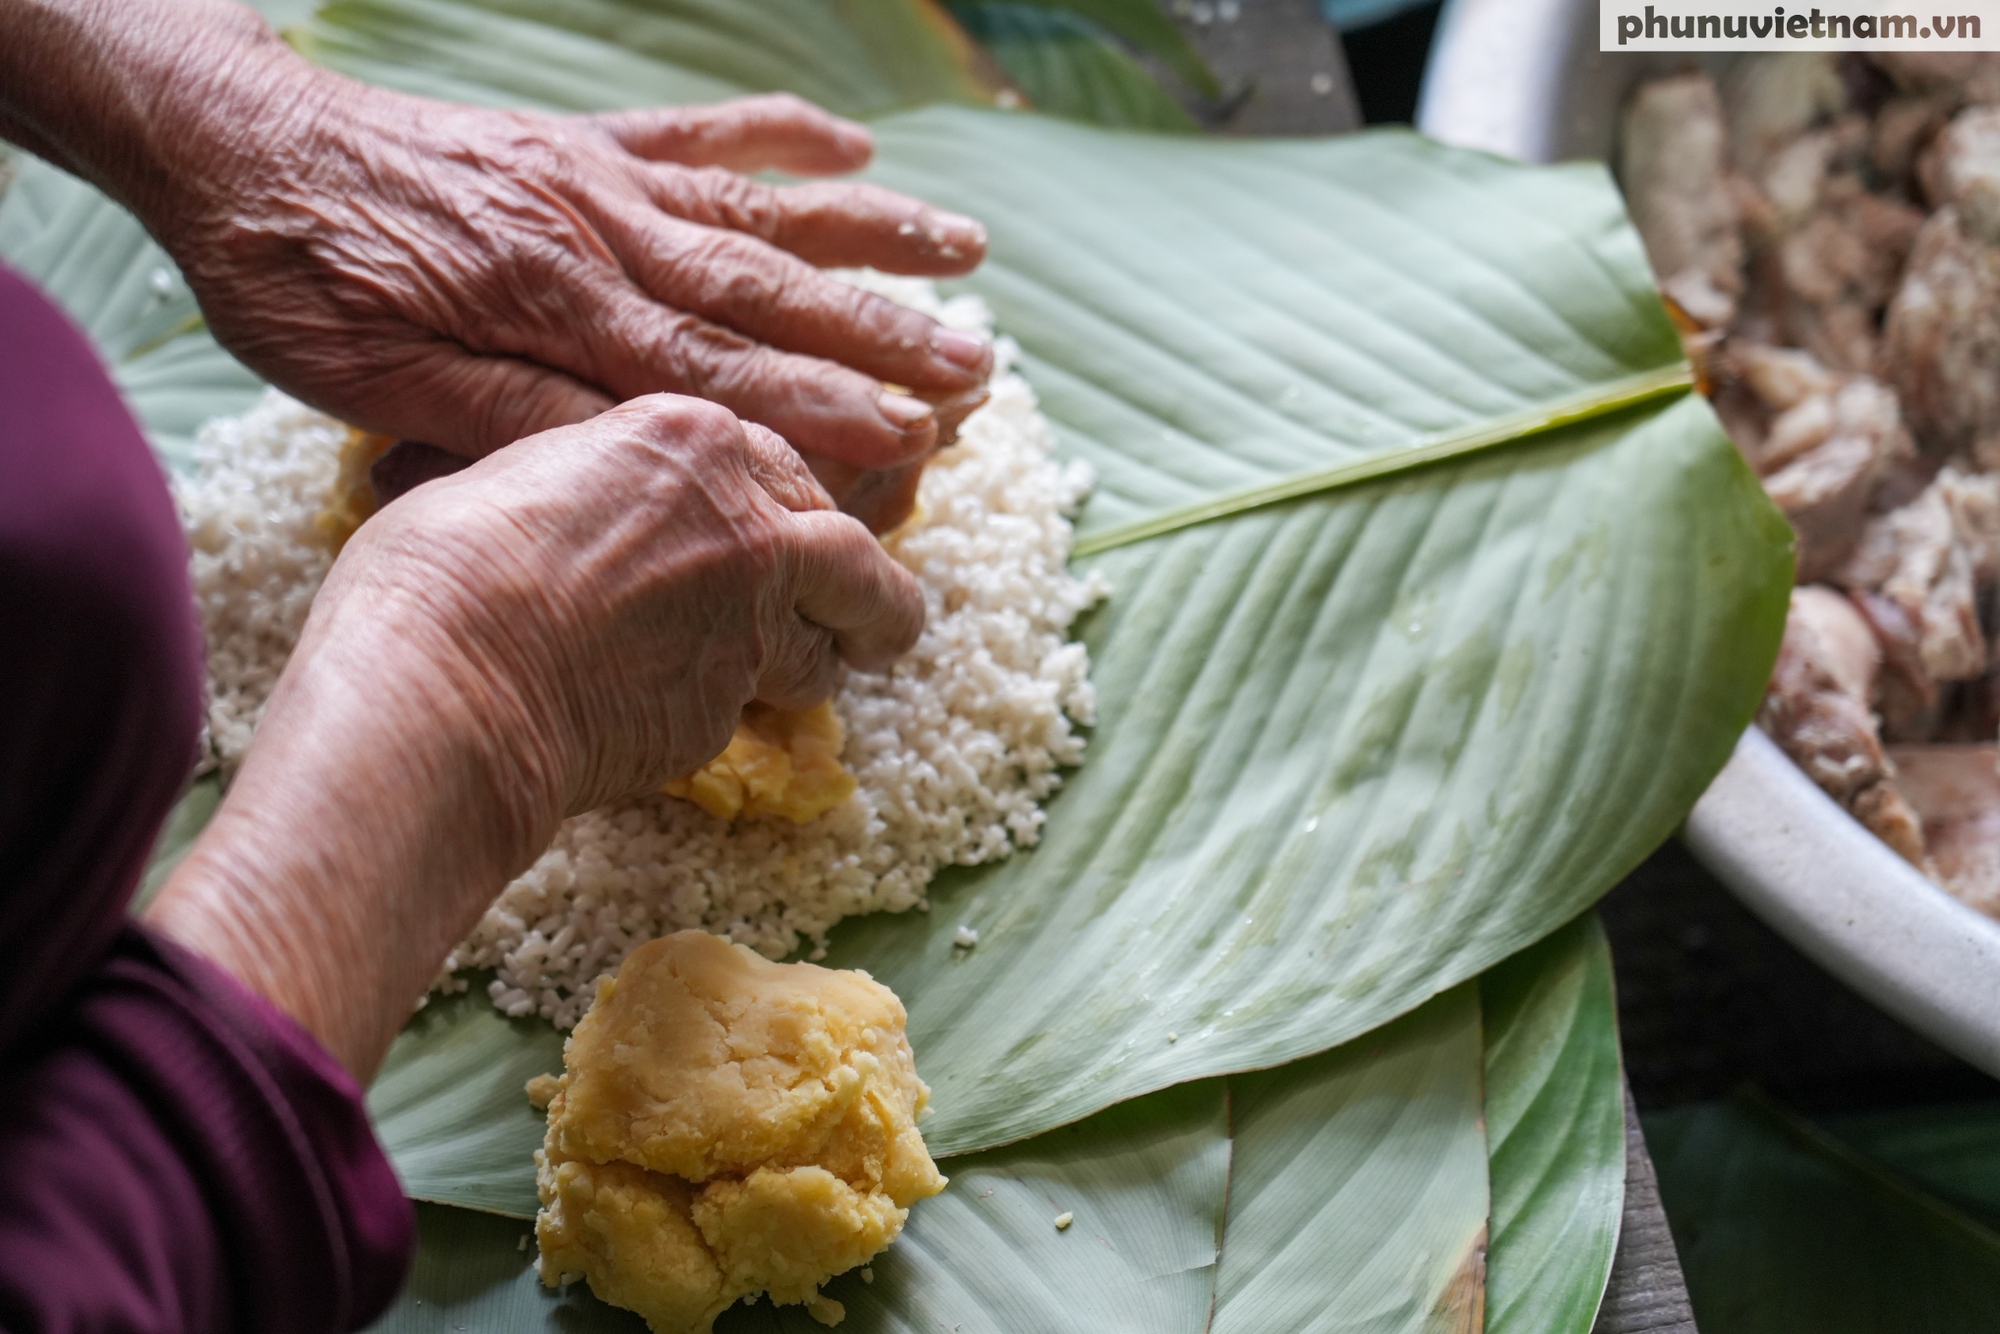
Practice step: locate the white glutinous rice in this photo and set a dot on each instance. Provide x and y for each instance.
(954, 749)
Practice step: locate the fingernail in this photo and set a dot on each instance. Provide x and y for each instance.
(968, 352)
(957, 229)
(902, 411)
(953, 412)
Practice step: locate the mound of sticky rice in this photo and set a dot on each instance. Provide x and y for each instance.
(953, 750)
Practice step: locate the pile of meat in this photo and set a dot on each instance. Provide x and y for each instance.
(1828, 229)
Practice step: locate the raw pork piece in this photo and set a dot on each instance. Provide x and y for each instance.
(1941, 339)
(1955, 791)
(1904, 128)
(1816, 709)
(1917, 574)
(1829, 442)
(1772, 98)
(1674, 162)
(1826, 251)
(1968, 76)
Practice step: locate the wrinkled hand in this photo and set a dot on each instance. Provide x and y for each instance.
(614, 593)
(579, 616)
(469, 277)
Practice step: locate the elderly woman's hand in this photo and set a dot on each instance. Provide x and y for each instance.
(575, 618)
(468, 277)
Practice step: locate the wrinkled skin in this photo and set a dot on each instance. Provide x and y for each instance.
(572, 619)
(467, 277)
(585, 611)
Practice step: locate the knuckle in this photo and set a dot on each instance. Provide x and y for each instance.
(738, 201)
(759, 551)
(694, 423)
(705, 359)
(884, 320)
(742, 275)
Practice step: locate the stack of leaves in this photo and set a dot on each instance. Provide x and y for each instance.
(1866, 1224)
(1436, 602)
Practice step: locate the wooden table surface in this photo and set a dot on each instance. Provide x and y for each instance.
(1646, 1294)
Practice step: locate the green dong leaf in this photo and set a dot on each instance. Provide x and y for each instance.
(854, 57)
(1141, 23)
(1782, 1230)
(1068, 66)
(1555, 1129)
(1359, 746)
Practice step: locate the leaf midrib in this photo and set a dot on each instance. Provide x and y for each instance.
(1599, 401)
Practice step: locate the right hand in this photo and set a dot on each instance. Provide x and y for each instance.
(575, 618)
(618, 590)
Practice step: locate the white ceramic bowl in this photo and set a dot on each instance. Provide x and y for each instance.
(1524, 78)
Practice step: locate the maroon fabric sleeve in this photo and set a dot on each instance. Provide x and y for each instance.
(177, 1156)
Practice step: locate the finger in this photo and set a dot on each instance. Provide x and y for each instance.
(777, 132)
(471, 405)
(828, 223)
(803, 666)
(777, 467)
(633, 346)
(407, 466)
(751, 286)
(843, 581)
(883, 499)
(952, 412)
(880, 498)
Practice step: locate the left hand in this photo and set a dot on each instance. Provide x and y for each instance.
(469, 277)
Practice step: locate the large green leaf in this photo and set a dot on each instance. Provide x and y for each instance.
(1351, 751)
(1783, 1230)
(856, 57)
(1555, 1126)
(1357, 1195)
(1358, 747)
(474, 1147)
(1952, 1151)
(1067, 66)
(1252, 1204)
(96, 261)
(187, 819)
(1142, 24)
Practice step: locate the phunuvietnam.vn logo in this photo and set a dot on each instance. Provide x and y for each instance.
(1720, 25)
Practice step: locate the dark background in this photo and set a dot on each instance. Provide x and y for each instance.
(1386, 62)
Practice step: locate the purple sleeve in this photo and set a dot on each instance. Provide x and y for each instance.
(178, 1156)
